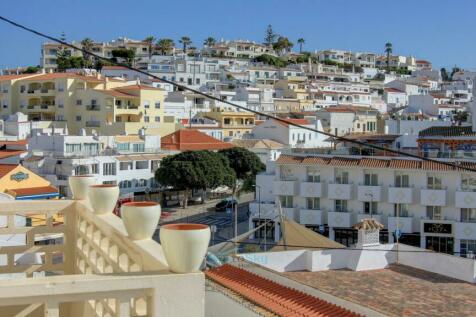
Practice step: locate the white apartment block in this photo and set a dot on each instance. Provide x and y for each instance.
(129, 161)
(238, 49)
(432, 205)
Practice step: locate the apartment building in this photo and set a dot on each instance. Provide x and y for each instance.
(232, 123)
(49, 51)
(329, 93)
(107, 106)
(129, 161)
(238, 48)
(431, 204)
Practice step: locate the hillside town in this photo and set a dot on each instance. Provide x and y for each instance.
(313, 170)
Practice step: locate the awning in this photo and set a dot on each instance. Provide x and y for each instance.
(34, 193)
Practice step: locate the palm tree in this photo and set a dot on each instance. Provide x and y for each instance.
(150, 40)
(388, 51)
(165, 46)
(209, 41)
(186, 41)
(87, 44)
(301, 42)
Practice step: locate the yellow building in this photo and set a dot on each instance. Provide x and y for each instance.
(108, 106)
(232, 123)
(21, 183)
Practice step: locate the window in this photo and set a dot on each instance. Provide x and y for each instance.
(81, 170)
(109, 182)
(94, 102)
(146, 119)
(468, 248)
(141, 165)
(370, 207)
(138, 147)
(402, 180)
(313, 175)
(340, 205)
(124, 166)
(123, 146)
(109, 169)
(468, 183)
(157, 105)
(313, 203)
(157, 119)
(141, 183)
(400, 210)
(341, 176)
(78, 118)
(286, 201)
(71, 148)
(79, 102)
(370, 179)
(146, 104)
(468, 214)
(125, 184)
(434, 182)
(433, 212)
(94, 168)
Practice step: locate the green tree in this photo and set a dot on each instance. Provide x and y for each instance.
(282, 45)
(165, 46)
(301, 42)
(246, 165)
(455, 70)
(194, 170)
(150, 40)
(87, 44)
(444, 74)
(31, 70)
(186, 41)
(460, 117)
(271, 60)
(125, 54)
(388, 51)
(209, 41)
(270, 36)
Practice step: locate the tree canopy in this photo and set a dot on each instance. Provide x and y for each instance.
(127, 55)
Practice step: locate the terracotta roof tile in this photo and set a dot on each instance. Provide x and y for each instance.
(192, 140)
(6, 168)
(34, 191)
(374, 163)
(343, 161)
(19, 142)
(295, 121)
(274, 297)
(10, 153)
(405, 164)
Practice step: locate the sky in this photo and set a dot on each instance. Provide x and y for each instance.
(442, 31)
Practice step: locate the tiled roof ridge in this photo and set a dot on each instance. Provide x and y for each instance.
(277, 298)
(371, 162)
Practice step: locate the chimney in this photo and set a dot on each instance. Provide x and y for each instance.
(368, 232)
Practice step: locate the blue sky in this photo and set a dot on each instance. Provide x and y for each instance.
(442, 31)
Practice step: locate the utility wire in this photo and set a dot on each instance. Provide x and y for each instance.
(198, 92)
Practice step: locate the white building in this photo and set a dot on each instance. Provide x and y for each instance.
(290, 135)
(434, 206)
(395, 97)
(129, 160)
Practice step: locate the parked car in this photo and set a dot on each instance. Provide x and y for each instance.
(226, 204)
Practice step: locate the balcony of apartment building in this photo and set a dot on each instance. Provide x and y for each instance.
(93, 124)
(263, 210)
(433, 196)
(93, 268)
(339, 190)
(286, 186)
(400, 195)
(311, 189)
(46, 88)
(465, 197)
(238, 122)
(340, 217)
(311, 216)
(93, 106)
(369, 192)
(126, 107)
(129, 117)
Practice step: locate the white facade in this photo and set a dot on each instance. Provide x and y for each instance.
(409, 129)
(342, 194)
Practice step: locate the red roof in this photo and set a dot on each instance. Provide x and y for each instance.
(274, 297)
(390, 89)
(19, 142)
(10, 153)
(192, 140)
(34, 191)
(295, 121)
(6, 168)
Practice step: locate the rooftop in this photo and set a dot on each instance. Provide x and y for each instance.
(396, 291)
(192, 140)
(448, 131)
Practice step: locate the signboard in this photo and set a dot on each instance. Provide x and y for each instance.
(20, 176)
(440, 228)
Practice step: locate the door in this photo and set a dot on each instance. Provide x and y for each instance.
(440, 244)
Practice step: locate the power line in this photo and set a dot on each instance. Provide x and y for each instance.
(183, 87)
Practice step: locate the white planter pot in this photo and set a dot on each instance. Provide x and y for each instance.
(140, 218)
(79, 186)
(103, 198)
(185, 246)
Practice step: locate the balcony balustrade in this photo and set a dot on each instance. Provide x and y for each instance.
(339, 219)
(309, 189)
(400, 195)
(465, 199)
(369, 193)
(433, 197)
(339, 191)
(93, 269)
(310, 217)
(285, 187)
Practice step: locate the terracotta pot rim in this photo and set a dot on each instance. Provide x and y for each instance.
(78, 176)
(103, 186)
(141, 204)
(184, 226)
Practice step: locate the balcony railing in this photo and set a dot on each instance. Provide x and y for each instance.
(98, 270)
(91, 124)
(93, 108)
